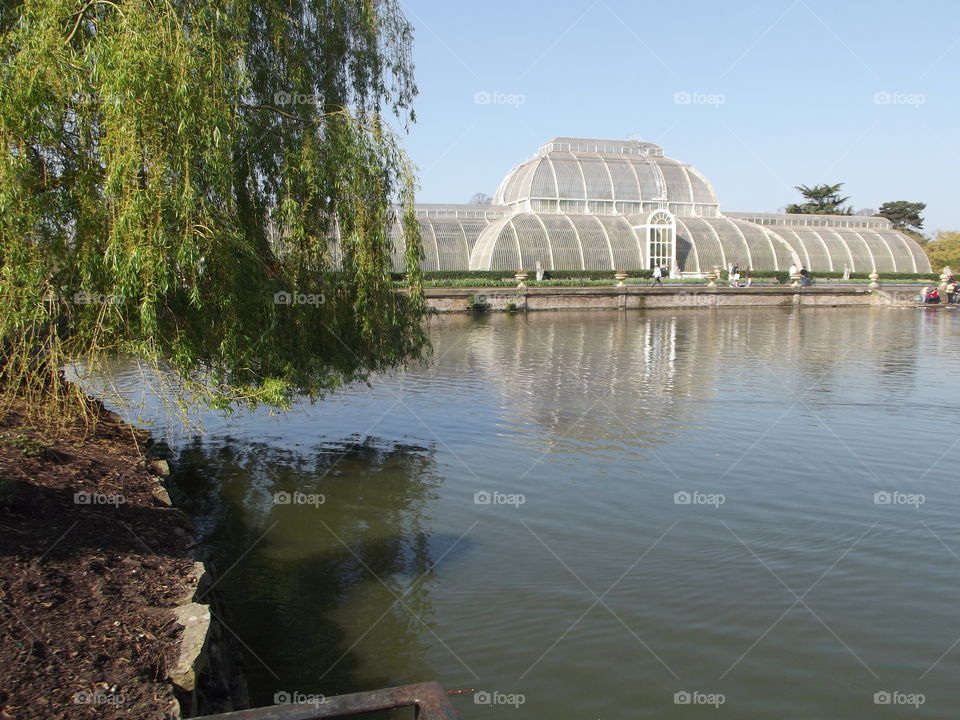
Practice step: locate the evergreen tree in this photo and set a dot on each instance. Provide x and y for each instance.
(821, 200)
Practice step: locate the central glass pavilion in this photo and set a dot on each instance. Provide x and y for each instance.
(583, 204)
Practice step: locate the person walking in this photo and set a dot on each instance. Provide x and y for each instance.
(657, 274)
(749, 278)
(735, 276)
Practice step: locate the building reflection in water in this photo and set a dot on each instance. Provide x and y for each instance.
(596, 377)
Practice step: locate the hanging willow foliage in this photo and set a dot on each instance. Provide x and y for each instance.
(172, 174)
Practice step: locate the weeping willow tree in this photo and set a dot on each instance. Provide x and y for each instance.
(172, 175)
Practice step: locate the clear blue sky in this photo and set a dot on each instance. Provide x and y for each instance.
(759, 96)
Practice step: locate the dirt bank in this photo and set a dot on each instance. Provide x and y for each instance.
(92, 561)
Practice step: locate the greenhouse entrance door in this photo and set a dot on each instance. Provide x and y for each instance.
(661, 232)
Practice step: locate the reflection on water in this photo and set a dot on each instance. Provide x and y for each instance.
(603, 594)
(341, 526)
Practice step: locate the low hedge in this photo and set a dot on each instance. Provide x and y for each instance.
(438, 275)
(833, 275)
(485, 278)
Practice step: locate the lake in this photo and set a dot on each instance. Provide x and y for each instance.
(607, 515)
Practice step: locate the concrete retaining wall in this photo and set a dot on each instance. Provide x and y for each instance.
(447, 300)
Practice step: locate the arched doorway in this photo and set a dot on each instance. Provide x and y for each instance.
(661, 234)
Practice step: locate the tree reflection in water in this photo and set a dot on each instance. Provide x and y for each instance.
(312, 587)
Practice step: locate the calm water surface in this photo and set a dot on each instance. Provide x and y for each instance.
(679, 502)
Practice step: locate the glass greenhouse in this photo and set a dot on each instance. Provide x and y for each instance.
(583, 204)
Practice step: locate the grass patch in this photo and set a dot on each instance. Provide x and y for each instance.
(24, 443)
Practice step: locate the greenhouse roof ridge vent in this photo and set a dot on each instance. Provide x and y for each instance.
(603, 147)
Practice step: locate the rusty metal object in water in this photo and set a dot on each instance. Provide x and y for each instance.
(429, 699)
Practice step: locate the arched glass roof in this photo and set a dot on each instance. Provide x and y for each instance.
(569, 242)
(705, 242)
(827, 249)
(622, 173)
(447, 241)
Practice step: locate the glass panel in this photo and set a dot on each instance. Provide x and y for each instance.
(596, 253)
(760, 256)
(782, 250)
(623, 242)
(646, 174)
(472, 229)
(563, 241)
(543, 186)
(451, 244)
(818, 257)
(678, 189)
(702, 192)
(883, 260)
(504, 256)
(533, 241)
(598, 181)
(708, 248)
(624, 181)
(569, 180)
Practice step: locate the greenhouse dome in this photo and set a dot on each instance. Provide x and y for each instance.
(584, 204)
(604, 177)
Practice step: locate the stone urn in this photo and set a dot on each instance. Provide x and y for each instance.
(620, 276)
(795, 279)
(713, 276)
(521, 277)
(944, 281)
(874, 281)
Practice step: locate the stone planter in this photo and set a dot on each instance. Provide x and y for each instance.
(521, 277)
(620, 276)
